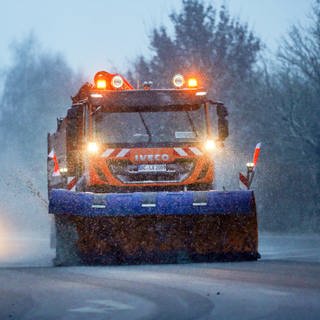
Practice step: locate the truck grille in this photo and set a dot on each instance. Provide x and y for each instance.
(128, 173)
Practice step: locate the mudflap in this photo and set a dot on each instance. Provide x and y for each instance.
(160, 227)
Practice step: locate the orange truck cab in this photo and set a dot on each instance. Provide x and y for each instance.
(119, 139)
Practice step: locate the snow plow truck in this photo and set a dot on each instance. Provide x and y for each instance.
(131, 176)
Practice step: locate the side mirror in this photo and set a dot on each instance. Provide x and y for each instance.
(223, 124)
(74, 139)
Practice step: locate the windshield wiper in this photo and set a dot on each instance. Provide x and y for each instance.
(146, 127)
(194, 129)
(95, 111)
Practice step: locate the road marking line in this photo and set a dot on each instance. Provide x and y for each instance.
(102, 306)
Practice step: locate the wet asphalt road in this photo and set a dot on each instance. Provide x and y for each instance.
(284, 284)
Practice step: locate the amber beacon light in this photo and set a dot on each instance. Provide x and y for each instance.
(192, 83)
(101, 83)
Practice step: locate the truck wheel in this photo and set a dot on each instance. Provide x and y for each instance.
(66, 242)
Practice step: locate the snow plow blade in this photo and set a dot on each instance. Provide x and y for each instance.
(155, 227)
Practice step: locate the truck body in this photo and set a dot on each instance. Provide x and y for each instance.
(131, 177)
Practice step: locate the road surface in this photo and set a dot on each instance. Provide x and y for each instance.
(284, 284)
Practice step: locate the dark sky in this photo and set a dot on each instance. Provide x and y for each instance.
(105, 34)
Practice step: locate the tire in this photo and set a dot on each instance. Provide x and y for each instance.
(66, 242)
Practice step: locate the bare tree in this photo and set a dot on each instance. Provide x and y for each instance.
(288, 99)
(301, 49)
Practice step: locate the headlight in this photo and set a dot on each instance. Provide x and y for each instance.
(210, 145)
(92, 147)
(250, 166)
(63, 170)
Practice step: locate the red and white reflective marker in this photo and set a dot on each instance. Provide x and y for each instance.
(72, 181)
(244, 183)
(56, 170)
(256, 154)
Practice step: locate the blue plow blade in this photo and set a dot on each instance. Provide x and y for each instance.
(88, 204)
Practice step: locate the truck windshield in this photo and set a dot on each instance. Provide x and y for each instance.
(151, 127)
